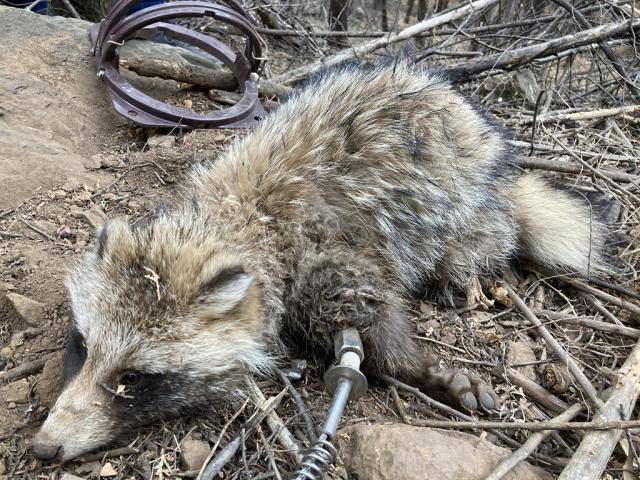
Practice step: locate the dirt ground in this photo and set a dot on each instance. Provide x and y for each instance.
(68, 162)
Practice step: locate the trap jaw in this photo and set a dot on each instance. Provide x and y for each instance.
(133, 104)
(346, 382)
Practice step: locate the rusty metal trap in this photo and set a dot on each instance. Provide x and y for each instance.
(120, 25)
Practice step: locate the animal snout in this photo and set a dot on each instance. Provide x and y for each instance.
(47, 452)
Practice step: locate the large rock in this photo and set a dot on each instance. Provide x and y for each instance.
(386, 452)
(54, 112)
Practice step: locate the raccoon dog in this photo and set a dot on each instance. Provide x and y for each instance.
(367, 185)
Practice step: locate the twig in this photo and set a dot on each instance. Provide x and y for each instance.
(592, 456)
(530, 445)
(272, 459)
(595, 303)
(452, 411)
(71, 10)
(584, 115)
(615, 288)
(30, 7)
(220, 437)
(590, 323)
(535, 391)
(631, 307)
(598, 173)
(27, 368)
(275, 423)
(564, 167)
(36, 229)
(309, 422)
(151, 59)
(576, 371)
(466, 71)
(116, 393)
(611, 55)
(297, 74)
(399, 406)
(154, 278)
(532, 426)
(583, 153)
(4, 233)
(211, 469)
(116, 452)
(373, 34)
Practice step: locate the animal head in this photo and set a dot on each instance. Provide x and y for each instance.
(164, 319)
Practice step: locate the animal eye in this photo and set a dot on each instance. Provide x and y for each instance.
(130, 378)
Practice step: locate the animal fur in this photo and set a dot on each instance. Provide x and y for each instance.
(367, 185)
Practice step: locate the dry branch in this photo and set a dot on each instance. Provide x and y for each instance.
(631, 307)
(576, 371)
(533, 390)
(601, 426)
(565, 167)
(466, 71)
(592, 456)
(590, 323)
(596, 172)
(297, 74)
(74, 13)
(211, 469)
(25, 369)
(275, 423)
(577, 116)
(309, 422)
(151, 59)
(583, 153)
(606, 49)
(463, 416)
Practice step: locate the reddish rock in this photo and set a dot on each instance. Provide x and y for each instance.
(398, 451)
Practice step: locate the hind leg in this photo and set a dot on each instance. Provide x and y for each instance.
(338, 289)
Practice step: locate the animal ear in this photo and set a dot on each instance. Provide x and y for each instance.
(225, 290)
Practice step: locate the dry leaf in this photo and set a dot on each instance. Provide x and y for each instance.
(107, 470)
(501, 295)
(188, 103)
(120, 389)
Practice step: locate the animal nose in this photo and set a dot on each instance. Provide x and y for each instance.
(46, 452)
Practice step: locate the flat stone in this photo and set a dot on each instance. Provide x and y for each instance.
(17, 391)
(194, 453)
(519, 352)
(161, 141)
(398, 451)
(29, 310)
(95, 216)
(68, 476)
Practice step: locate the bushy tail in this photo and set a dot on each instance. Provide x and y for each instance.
(558, 229)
